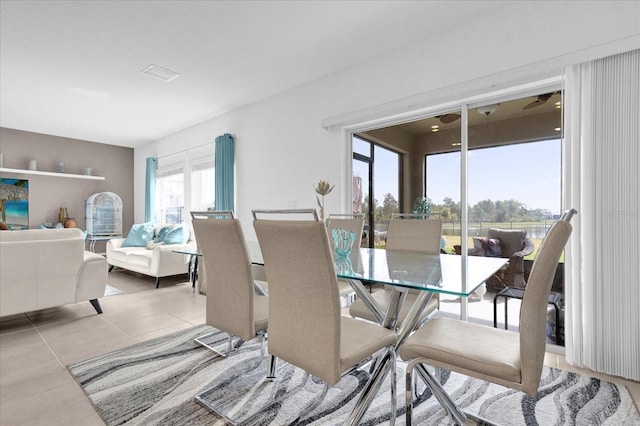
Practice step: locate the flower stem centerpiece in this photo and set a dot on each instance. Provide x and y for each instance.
(322, 188)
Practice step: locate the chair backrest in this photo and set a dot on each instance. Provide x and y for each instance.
(292, 214)
(511, 240)
(230, 293)
(414, 234)
(212, 214)
(533, 311)
(304, 306)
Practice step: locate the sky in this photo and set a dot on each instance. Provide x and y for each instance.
(528, 172)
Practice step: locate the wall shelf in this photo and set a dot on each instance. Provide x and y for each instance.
(53, 174)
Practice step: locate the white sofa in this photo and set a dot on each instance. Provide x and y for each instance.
(45, 268)
(159, 261)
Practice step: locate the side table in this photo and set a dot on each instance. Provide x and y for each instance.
(193, 264)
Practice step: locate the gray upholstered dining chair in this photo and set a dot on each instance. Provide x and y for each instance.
(406, 234)
(199, 269)
(306, 328)
(232, 305)
(350, 223)
(212, 214)
(512, 359)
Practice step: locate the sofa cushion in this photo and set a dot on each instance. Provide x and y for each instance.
(491, 247)
(133, 256)
(179, 234)
(139, 235)
(162, 234)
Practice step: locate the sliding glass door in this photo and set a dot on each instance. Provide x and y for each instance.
(377, 190)
(496, 164)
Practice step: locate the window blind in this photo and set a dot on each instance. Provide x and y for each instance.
(603, 319)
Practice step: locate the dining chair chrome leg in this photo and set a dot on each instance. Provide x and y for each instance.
(454, 412)
(392, 419)
(438, 374)
(202, 340)
(313, 404)
(273, 366)
(416, 387)
(410, 381)
(201, 397)
(263, 343)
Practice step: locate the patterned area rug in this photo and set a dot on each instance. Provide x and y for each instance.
(154, 383)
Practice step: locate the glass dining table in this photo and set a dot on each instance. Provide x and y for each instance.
(401, 271)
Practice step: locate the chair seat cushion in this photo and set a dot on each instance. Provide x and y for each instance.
(360, 339)
(467, 347)
(359, 310)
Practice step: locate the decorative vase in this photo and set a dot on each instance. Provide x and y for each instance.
(62, 215)
(343, 241)
(343, 266)
(70, 223)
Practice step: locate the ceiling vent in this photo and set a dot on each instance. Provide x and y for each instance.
(160, 73)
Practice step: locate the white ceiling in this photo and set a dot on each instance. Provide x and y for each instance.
(73, 68)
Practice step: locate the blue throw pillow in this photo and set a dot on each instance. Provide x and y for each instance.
(179, 234)
(139, 235)
(491, 247)
(162, 234)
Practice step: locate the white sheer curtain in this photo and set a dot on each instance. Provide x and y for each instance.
(602, 181)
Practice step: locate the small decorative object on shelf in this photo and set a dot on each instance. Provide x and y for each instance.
(62, 215)
(33, 165)
(61, 167)
(323, 188)
(87, 171)
(70, 223)
(1, 160)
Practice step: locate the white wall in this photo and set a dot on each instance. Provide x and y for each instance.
(282, 149)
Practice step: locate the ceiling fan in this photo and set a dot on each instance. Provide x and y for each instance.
(448, 118)
(541, 99)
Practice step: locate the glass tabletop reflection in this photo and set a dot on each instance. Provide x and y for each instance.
(441, 273)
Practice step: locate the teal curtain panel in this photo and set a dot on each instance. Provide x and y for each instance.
(150, 189)
(224, 172)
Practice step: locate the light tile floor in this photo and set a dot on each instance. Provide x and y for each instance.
(35, 387)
